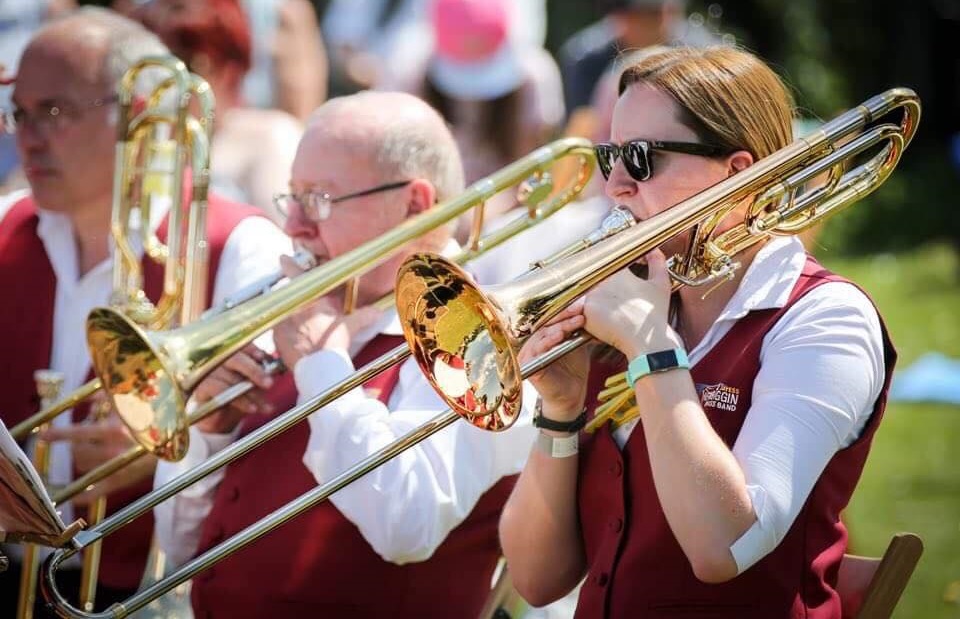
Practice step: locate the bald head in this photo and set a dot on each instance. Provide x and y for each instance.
(380, 159)
(402, 135)
(101, 44)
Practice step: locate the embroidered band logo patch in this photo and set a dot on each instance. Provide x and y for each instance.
(719, 396)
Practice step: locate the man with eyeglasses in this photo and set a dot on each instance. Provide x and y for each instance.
(55, 259)
(415, 538)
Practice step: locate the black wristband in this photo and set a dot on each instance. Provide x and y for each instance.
(539, 421)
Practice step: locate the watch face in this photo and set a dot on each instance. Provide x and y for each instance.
(663, 360)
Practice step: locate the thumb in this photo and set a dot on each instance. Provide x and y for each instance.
(658, 273)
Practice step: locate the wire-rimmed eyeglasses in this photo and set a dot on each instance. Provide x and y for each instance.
(317, 205)
(51, 117)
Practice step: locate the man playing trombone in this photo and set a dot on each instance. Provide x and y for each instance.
(422, 529)
(55, 243)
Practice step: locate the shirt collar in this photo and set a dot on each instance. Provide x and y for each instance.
(54, 223)
(50, 222)
(769, 279)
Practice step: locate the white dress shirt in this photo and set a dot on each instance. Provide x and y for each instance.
(252, 250)
(822, 369)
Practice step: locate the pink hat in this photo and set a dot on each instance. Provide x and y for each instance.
(473, 56)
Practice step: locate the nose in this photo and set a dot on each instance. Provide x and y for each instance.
(620, 185)
(30, 137)
(297, 225)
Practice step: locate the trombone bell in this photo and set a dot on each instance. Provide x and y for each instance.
(139, 374)
(458, 343)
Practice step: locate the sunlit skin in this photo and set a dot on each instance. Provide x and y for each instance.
(625, 311)
(631, 314)
(354, 221)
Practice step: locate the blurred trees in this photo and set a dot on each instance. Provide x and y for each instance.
(835, 54)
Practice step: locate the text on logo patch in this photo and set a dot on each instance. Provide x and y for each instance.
(719, 396)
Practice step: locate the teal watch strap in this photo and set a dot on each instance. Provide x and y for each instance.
(656, 362)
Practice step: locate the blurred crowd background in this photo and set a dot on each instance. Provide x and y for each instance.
(509, 76)
(292, 54)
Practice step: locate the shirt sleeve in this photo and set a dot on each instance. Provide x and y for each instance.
(179, 519)
(252, 251)
(822, 370)
(406, 508)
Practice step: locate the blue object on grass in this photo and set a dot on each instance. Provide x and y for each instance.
(932, 378)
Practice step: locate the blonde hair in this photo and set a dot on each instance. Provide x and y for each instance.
(728, 96)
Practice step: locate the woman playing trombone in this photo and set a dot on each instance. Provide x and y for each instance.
(757, 401)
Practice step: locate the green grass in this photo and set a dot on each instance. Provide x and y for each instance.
(912, 478)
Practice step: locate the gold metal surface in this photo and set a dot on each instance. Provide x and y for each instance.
(463, 350)
(49, 384)
(150, 162)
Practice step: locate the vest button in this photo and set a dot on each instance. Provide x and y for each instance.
(616, 525)
(616, 469)
(234, 494)
(602, 579)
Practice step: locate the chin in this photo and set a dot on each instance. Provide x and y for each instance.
(50, 198)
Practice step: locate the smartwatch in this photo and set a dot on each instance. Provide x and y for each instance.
(656, 362)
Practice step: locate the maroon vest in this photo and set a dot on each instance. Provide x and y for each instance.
(26, 323)
(636, 568)
(319, 564)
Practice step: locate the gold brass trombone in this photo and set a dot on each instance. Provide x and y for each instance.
(49, 384)
(466, 339)
(150, 159)
(150, 373)
(531, 194)
(240, 319)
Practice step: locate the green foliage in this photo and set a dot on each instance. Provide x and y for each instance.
(917, 204)
(912, 480)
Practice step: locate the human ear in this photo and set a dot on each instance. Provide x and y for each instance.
(421, 195)
(738, 161)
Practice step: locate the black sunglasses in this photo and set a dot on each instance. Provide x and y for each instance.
(636, 155)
